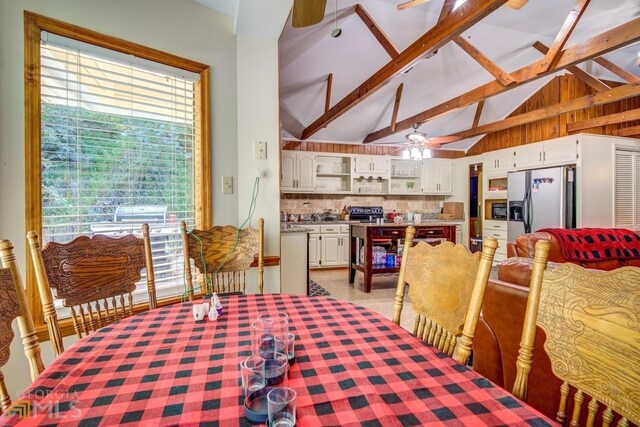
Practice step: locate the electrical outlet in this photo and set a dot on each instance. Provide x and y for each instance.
(227, 185)
(260, 150)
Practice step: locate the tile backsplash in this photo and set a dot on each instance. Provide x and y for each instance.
(314, 203)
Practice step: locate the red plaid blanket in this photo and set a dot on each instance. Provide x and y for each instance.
(596, 244)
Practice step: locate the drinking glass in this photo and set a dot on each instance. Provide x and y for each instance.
(286, 344)
(252, 370)
(277, 370)
(282, 407)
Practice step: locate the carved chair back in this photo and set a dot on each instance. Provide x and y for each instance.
(446, 287)
(94, 277)
(591, 319)
(223, 254)
(13, 304)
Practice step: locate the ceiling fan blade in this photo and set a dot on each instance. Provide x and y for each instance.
(443, 139)
(516, 4)
(307, 12)
(410, 3)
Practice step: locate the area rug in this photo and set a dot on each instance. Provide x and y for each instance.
(316, 290)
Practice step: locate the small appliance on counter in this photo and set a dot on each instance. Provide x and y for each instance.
(366, 213)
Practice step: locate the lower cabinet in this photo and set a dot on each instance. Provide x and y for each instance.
(314, 250)
(328, 245)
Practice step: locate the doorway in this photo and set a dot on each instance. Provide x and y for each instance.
(475, 206)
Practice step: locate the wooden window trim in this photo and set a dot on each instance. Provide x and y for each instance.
(34, 24)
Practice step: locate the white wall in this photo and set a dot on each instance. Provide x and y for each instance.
(181, 27)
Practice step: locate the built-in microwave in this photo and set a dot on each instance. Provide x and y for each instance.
(498, 211)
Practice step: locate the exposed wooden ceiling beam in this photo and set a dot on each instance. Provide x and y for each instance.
(587, 78)
(625, 116)
(327, 98)
(612, 95)
(396, 106)
(501, 75)
(596, 46)
(476, 118)
(457, 22)
(631, 131)
(618, 71)
(377, 32)
(447, 8)
(551, 58)
(410, 3)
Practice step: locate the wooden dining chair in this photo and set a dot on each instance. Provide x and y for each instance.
(591, 319)
(223, 254)
(446, 287)
(13, 304)
(94, 277)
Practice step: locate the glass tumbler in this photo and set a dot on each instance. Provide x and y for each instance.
(252, 370)
(277, 370)
(263, 332)
(282, 407)
(286, 344)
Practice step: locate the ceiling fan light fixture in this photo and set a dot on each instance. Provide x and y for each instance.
(416, 137)
(426, 153)
(406, 154)
(416, 154)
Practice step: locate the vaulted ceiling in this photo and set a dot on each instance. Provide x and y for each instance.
(308, 55)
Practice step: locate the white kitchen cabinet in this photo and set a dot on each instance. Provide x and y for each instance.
(406, 177)
(333, 173)
(314, 250)
(344, 250)
(330, 255)
(297, 171)
(497, 230)
(437, 176)
(371, 166)
(499, 160)
(627, 189)
(559, 151)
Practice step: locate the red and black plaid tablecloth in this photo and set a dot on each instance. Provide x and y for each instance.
(353, 367)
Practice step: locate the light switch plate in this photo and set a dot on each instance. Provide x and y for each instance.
(260, 150)
(227, 185)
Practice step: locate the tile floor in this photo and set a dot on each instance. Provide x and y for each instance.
(380, 299)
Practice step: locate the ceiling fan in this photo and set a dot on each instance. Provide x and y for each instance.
(418, 146)
(513, 4)
(307, 12)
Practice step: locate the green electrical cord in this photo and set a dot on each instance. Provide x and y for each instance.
(208, 279)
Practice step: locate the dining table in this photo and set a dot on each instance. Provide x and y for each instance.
(353, 367)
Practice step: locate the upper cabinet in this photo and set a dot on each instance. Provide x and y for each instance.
(559, 151)
(297, 171)
(499, 160)
(406, 177)
(333, 173)
(437, 176)
(371, 166)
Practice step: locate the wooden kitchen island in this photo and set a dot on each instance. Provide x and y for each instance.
(368, 235)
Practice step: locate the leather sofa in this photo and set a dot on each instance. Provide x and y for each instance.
(497, 338)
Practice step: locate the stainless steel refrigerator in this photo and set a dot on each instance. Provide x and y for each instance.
(540, 198)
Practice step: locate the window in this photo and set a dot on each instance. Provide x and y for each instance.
(120, 135)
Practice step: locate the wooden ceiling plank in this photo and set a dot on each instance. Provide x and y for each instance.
(623, 117)
(457, 22)
(587, 78)
(612, 95)
(618, 71)
(396, 106)
(377, 31)
(327, 99)
(630, 131)
(613, 39)
(501, 75)
(552, 56)
(476, 118)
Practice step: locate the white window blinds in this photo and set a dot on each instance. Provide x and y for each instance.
(117, 151)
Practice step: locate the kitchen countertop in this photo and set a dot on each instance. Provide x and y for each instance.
(298, 227)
